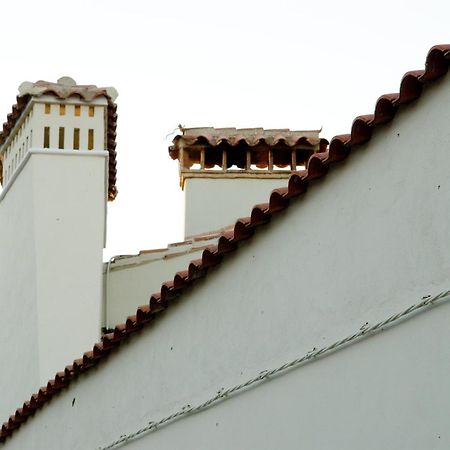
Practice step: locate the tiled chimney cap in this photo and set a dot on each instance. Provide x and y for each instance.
(64, 88)
(250, 136)
(243, 152)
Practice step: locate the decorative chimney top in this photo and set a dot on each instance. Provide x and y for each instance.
(67, 87)
(60, 116)
(243, 153)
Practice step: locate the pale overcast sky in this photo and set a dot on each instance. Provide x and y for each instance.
(274, 64)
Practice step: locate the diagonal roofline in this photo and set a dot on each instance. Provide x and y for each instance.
(411, 86)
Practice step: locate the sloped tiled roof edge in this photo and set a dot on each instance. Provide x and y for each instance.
(86, 94)
(437, 63)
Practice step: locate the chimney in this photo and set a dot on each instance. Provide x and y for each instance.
(57, 154)
(226, 171)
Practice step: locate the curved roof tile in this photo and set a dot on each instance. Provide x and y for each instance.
(252, 137)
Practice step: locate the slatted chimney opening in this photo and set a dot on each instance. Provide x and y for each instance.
(242, 157)
(243, 153)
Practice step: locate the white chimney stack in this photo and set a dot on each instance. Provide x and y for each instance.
(226, 171)
(57, 153)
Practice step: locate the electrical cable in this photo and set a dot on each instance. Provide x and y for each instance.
(364, 331)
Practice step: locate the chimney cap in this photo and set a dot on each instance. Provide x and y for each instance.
(66, 87)
(211, 137)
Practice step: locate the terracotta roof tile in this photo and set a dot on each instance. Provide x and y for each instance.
(250, 136)
(437, 64)
(257, 141)
(63, 89)
(66, 87)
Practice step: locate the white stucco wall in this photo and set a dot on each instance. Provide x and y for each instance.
(366, 242)
(52, 218)
(69, 121)
(19, 348)
(17, 145)
(69, 223)
(213, 203)
(28, 131)
(129, 281)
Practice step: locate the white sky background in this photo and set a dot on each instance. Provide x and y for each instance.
(273, 64)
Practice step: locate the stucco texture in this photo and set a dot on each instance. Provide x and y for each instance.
(366, 242)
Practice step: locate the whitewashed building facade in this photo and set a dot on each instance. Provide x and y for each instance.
(320, 264)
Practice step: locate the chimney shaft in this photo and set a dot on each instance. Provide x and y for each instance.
(55, 167)
(225, 171)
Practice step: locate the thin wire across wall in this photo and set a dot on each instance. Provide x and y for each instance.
(223, 394)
